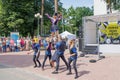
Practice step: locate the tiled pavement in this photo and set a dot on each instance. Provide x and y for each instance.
(20, 67)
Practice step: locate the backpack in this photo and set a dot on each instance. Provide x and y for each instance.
(62, 46)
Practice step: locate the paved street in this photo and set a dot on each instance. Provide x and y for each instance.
(20, 67)
(11, 73)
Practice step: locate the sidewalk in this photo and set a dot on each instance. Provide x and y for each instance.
(10, 73)
(105, 69)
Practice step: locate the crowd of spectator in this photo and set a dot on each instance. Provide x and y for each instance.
(8, 44)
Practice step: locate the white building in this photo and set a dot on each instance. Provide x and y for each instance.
(100, 8)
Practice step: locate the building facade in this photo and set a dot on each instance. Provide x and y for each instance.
(101, 8)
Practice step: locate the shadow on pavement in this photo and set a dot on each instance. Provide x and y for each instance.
(62, 69)
(79, 64)
(17, 60)
(81, 73)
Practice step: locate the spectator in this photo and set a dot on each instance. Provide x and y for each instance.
(12, 48)
(22, 43)
(4, 45)
(0, 45)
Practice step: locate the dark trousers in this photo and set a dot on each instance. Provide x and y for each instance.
(36, 59)
(45, 58)
(74, 65)
(4, 48)
(58, 61)
(0, 49)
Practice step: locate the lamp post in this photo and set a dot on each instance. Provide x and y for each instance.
(38, 16)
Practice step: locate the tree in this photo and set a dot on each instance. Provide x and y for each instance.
(42, 11)
(116, 4)
(19, 15)
(73, 17)
(56, 5)
(112, 4)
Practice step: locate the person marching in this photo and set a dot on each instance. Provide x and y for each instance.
(36, 50)
(47, 44)
(73, 57)
(54, 20)
(60, 46)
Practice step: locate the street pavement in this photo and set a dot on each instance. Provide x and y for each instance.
(10, 73)
(19, 66)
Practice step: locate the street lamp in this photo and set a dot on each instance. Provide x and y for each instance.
(38, 16)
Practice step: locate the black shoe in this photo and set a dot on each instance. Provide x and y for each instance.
(76, 77)
(39, 66)
(42, 69)
(67, 68)
(35, 66)
(69, 73)
(55, 72)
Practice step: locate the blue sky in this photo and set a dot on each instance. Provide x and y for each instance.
(77, 3)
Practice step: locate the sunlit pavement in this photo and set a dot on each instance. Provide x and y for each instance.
(19, 66)
(11, 73)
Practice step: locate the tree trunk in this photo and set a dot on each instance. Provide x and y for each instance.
(42, 11)
(109, 9)
(56, 5)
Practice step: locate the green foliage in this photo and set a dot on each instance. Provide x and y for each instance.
(15, 14)
(18, 15)
(114, 4)
(73, 18)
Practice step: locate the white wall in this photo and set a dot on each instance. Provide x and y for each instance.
(90, 35)
(100, 7)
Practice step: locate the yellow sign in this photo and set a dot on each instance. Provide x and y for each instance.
(109, 30)
(113, 30)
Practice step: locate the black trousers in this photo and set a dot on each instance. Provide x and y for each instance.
(74, 65)
(36, 59)
(45, 58)
(58, 61)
